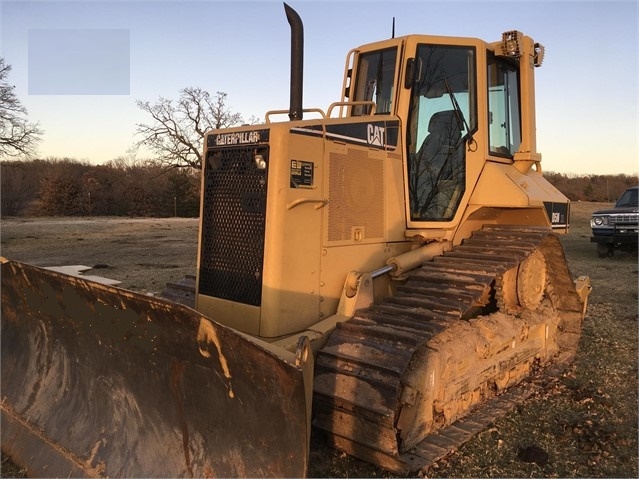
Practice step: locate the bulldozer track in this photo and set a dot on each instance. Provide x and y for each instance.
(359, 386)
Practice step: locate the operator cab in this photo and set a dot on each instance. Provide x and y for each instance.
(450, 129)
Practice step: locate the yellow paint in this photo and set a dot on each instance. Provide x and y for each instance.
(207, 335)
(101, 466)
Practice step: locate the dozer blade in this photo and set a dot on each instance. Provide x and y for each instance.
(100, 381)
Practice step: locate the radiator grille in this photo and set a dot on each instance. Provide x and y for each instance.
(356, 196)
(234, 212)
(624, 219)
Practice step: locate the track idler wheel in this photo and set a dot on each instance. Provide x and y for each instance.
(523, 286)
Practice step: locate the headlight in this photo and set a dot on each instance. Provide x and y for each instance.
(599, 220)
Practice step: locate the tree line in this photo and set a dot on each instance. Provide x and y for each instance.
(124, 187)
(121, 187)
(600, 188)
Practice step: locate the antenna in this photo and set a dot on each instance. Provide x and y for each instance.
(393, 28)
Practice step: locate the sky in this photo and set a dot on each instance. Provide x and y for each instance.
(587, 87)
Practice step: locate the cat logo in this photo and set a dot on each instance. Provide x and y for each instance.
(376, 135)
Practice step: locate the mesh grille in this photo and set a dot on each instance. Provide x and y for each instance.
(356, 195)
(233, 225)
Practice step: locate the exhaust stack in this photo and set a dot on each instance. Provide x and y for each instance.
(297, 63)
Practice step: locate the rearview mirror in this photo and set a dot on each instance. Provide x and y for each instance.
(411, 70)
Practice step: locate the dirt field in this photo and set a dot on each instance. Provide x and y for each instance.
(585, 425)
(142, 253)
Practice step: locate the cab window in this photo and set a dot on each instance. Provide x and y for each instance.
(504, 121)
(375, 80)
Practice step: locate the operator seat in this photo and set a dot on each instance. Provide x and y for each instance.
(440, 146)
(441, 166)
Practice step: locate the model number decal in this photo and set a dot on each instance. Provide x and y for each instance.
(301, 174)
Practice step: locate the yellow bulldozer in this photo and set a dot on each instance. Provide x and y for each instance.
(379, 271)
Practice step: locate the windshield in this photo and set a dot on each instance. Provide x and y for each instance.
(442, 111)
(629, 198)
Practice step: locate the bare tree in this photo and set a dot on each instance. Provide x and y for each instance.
(18, 137)
(177, 129)
(18, 186)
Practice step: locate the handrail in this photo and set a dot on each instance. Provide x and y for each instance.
(370, 103)
(300, 201)
(285, 112)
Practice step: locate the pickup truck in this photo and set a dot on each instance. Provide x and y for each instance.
(617, 227)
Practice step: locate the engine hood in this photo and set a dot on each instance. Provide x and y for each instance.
(617, 211)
